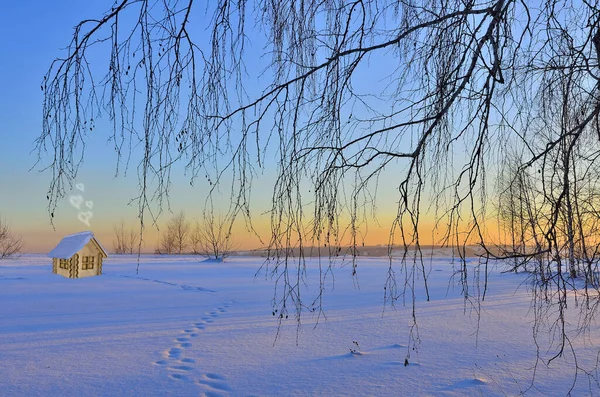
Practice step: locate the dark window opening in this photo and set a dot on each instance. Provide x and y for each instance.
(87, 262)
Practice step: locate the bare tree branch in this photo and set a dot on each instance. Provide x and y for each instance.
(434, 97)
(10, 244)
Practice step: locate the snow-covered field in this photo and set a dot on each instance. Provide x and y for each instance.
(185, 328)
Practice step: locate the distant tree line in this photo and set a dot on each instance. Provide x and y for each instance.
(126, 241)
(209, 236)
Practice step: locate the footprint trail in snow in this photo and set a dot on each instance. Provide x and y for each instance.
(182, 367)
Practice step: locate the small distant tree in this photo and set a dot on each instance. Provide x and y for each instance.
(166, 244)
(180, 229)
(10, 244)
(134, 239)
(125, 240)
(212, 237)
(175, 238)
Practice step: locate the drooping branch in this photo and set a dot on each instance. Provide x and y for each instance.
(430, 96)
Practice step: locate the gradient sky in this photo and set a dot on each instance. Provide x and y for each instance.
(34, 32)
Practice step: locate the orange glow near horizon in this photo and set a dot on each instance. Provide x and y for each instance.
(42, 241)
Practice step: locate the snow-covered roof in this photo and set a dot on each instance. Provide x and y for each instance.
(73, 243)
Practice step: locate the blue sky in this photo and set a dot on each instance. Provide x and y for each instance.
(34, 33)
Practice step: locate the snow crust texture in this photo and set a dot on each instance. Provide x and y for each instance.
(182, 327)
